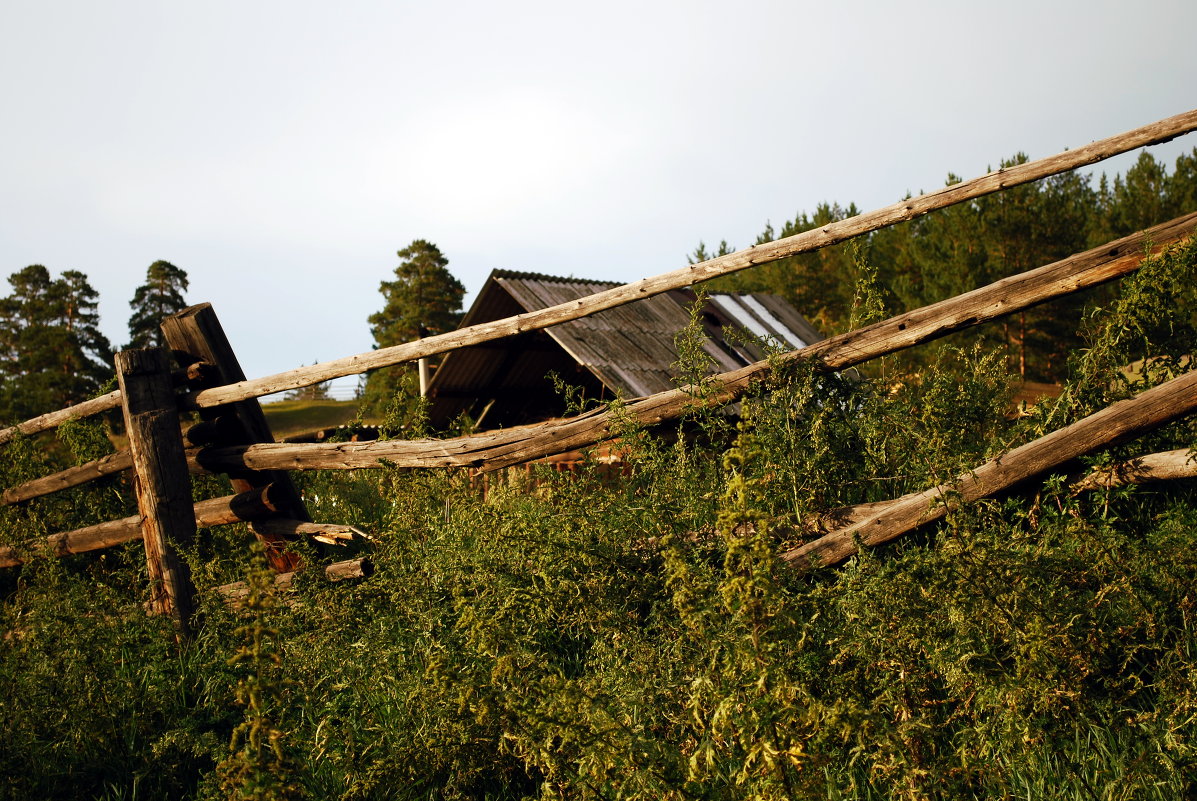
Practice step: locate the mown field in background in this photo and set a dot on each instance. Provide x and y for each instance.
(289, 418)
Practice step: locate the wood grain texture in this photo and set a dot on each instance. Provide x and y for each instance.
(244, 507)
(1151, 409)
(498, 449)
(830, 234)
(71, 477)
(1165, 466)
(161, 481)
(195, 336)
(45, 422)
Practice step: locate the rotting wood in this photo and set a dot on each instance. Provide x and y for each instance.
(830, 234)
(195, 336)
(327, 533)
(255, 504)
(1128, 418)
(161, 480)
(236, 592)
(498, 449)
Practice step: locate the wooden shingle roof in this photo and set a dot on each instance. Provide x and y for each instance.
(628, 350)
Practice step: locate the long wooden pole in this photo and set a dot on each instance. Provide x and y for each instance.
(1152, 467)
(241, 508)
(495, 450)
(833, 233)
(161, 482)
(1151, 409)
(830, 234)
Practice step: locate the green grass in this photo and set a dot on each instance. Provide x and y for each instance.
(292, 417)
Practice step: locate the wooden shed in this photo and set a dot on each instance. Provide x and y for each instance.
(627, 351)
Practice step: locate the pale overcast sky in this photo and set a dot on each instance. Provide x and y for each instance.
(281, 152)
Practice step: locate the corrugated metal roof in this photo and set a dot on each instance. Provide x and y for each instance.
(628, 350)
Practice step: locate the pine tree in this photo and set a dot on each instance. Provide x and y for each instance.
(49, 334)
(159, 297)
(424, 298)
(425, 295)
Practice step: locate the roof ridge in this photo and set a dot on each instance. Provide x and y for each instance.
(499, 273)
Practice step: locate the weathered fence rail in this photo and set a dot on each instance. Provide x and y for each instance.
(234, 439)
(830, 234)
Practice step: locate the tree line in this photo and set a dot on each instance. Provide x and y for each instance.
(957, 249)
(54, 353)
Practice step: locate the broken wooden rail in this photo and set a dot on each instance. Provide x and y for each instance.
(886, 521)
(807, 241)
(503, 448)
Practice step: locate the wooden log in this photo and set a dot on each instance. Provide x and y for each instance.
(255, 504)
(498, 449)
(833, 233)
(195, 335)
(830, 234)
(161, 481)
(327, 533)
(235, 592)
(45, 422)
(81, 474)
(1165, 466)
(71, 477)
(1124, 419)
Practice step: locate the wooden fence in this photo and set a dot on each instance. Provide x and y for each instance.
(198, 371)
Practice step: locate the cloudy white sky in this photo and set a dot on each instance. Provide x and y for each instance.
(281, 152)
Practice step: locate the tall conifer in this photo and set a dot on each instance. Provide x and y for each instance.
(160, 296)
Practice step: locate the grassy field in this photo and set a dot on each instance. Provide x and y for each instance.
(293, 417)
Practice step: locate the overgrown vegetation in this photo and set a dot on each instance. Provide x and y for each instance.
(568, 636)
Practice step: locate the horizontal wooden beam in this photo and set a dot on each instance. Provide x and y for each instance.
(244, 507)
(81, 474)
(71, 477)
(1129, 418)
(45, 422)
(830, 234)
(1163, 466)
(498, 449)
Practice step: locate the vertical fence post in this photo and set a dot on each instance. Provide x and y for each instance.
(160, 478)
(195, 335)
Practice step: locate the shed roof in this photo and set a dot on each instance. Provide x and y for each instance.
(629, 350)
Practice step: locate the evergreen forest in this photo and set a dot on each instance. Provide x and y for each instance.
(583, 635)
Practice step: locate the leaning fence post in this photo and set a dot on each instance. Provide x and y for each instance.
(160, 478)
(196, 337)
